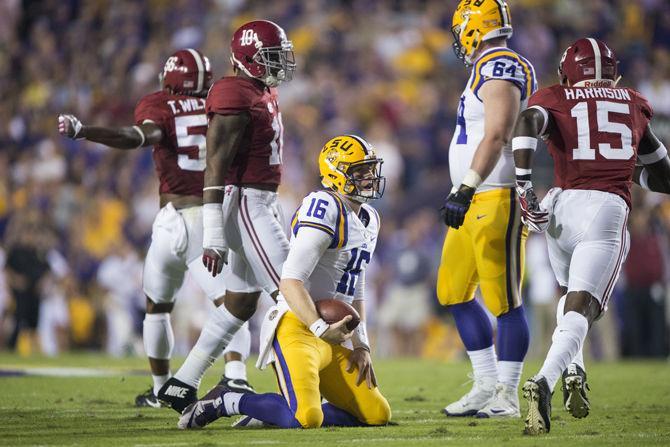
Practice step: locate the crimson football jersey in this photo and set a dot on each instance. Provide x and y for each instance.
(180, 156)
(259, 158)
(595, 135)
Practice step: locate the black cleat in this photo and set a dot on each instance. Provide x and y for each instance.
(208, 409)
(574, 389)
(237, 385)
(148, 399)
(177, 394)
(536, 392)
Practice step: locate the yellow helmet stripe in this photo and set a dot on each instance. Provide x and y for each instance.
(484, 59)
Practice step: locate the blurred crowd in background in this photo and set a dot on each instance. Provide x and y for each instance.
(75, 217)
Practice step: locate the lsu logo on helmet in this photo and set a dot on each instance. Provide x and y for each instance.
(475, 21)
(349, 166)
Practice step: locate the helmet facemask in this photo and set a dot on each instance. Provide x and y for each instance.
(364, 182)
(279, 63)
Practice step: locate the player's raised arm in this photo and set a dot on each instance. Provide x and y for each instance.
(532, 123)
(224, 139)
(501, 101)
(127, 137)
(654, 174)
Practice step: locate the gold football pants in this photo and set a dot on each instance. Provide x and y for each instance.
(487, 250)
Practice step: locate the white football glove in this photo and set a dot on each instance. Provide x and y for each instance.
(69, 126)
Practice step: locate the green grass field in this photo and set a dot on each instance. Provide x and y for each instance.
(630, 406)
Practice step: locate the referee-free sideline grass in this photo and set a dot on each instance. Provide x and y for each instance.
(88, 400)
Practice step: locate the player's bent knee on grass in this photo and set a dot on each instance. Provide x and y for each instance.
(310, 417)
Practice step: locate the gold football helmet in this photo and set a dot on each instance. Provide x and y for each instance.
(476, 21)
(349, 166)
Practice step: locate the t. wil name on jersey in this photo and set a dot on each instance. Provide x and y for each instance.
(604, 93)
(187, 105)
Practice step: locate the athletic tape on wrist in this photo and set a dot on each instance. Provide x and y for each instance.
(472, 179)
(319, 327)
(519, 143)
(212, 225)
(359, 339)
(218, 188)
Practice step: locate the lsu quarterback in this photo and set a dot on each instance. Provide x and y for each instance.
(334, 234)
(485, 243)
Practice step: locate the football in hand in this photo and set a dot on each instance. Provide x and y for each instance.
(332, 311)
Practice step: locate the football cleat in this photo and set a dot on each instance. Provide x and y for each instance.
(574, 388)
(249, 422)
(208, 409)
(505, 404)
(177, 394)
(483, 390)
(148, 399)
(238, 385)
(536, 392)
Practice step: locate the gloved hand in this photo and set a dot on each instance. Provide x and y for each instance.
(456, 205)
(532, 214)
(69, 126)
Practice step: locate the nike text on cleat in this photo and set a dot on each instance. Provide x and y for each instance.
(575, 400)
(483, 390)
(148, 399)
(536, 392)
(177, 394)
(505, 403)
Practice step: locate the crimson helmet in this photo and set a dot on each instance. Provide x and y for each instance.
(590, 61)
(187, 72)
(261, 50)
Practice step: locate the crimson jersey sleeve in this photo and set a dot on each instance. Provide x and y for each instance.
(228, 97)
(642, 104)
(547, 102)
(154, 108)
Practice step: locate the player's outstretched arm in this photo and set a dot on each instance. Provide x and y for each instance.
(127, 137)
(224, 139)
(532, 123)
(654, 174)
(360, 356)
(501, 106)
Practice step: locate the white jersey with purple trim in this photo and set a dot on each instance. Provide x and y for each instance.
(354, 238)
(496, 63)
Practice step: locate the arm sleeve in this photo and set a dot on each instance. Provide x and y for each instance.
(505, 66)
(307, 247)
(359, 293)
(227, 97)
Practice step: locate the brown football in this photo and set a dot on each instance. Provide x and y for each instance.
(332, 311)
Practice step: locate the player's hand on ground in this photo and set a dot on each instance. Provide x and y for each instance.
(214, 258)
(337, 333)
(69, 126)
(531, 214)
(456, 205)
(361, 360)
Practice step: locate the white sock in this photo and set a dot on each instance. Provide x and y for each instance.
(567, 340)
(560, 308)
(231, 402)
(215, 336)
(484, 363)
(159, 381)
(509, 373)
(235, 369)
(157, 336)
(241, 342)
